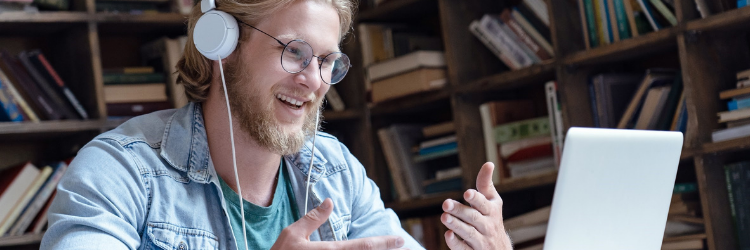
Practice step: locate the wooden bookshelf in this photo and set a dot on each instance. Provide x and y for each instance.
(625, 49)
(56, 127)
(26, 239)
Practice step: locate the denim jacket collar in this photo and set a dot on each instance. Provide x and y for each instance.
(185, 147)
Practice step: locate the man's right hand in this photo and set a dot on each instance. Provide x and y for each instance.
(297, 235)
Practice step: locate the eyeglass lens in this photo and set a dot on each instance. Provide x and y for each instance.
(298, 54)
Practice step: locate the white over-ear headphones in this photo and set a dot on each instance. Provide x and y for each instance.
(216, 32)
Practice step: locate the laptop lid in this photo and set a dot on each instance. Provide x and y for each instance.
(613, 189)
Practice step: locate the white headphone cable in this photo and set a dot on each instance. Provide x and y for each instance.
(312, 155)
(234, 157)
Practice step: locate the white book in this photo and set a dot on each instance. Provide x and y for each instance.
(438, 141)
(728, 116)
(517, 40)
(334, 99)
(490, 146)
(40, 199)
(475, 29)
(27, 195)
(521, 20)
(532, 167)
(649, 109)
(539, 7)
(501, 39)
(731, 133)
(649, 14)
(528, 233)
(531, 218)
(555, 121)
(16, 190)
(408, 62)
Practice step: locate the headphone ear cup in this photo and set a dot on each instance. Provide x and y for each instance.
(216, 34)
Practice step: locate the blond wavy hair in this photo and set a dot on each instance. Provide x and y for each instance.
(195, 72)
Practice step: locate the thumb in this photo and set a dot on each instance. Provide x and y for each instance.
(313, 219)
(484, 181)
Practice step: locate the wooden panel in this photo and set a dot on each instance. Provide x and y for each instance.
(686, 11)
(727, 146)
(55, 127)
(726, 21)
(466, 56)
(470, 138)
(348, 114)
(565, 26)
(399, 10)
(715, 203)
(510, 79)
(574, 97)
(410, 102)
(96, 62)
(79, 75)
(626, 49)
(44, 17)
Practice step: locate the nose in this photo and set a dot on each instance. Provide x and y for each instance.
(310, 76)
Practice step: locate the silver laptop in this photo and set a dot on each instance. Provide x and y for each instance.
(613, 189)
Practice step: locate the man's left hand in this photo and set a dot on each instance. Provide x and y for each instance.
(481, 225)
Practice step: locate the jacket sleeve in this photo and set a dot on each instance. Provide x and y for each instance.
(100, 202)
(369, 216)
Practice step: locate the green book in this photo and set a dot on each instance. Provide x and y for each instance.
(591, 23)
(665, 12)
(519, 130)
(623, 26)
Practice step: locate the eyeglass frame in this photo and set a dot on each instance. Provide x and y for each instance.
(320, 60)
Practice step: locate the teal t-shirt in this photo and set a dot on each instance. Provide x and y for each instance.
(263, 224)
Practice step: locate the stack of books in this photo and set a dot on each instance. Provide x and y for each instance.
(738, 187)
(26, 193)
(517, 141)
(134, 91)
(685, 228)
(422, 160)
(428, 231)
(31, 90)
(400, 60)
(737, 116)
(519, 37)
(609, 21)
(528, 230)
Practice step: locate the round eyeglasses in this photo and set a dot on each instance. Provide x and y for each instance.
(298, 54)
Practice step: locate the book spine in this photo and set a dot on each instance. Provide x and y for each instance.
(27, 111)
(9, 111)
(516, 42)
(612, 18)
(631, 17)
(521, 130)
(524, 37)
(335, 100)
(41, 198)
(503, 41)
(591, 23)
(477, 31)
(397, 176)
(605, 23)
(732, 206)
(584, 26)
(61, 86)
(649, 15)
(665, 12)
(490, 146)
(30, 87)
(555, 132)
(623, 25)
(594, 107)
(45, 86)
(736, 104)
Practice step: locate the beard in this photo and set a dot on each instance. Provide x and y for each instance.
(256, 118)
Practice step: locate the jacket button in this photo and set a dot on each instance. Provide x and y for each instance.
(182, 246)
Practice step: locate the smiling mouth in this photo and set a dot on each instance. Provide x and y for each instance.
(292, 103)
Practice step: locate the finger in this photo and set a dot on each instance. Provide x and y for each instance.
(484, 181)
(370, 243)
(478, 201)
(454, 243)
(467, 214)
(313, 219)
(470, 234)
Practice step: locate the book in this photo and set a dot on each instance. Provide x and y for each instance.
(136, 108)
(745, 74)
(130, 78)
(393, 162)
(417, 81)
(412, 61)
(129, 70)
(522, 129)
(537, 35)
(41, 103)
(703, 8)
(499, 36)
(592, 23)
(653, 77)
(674, 98)
(612, 18)
(531, 167)
(449, 150)
(31, 188)
(531, 218)
(484, 37)
(8, 105)
(41, 218)
(46, 86)
(164, 53)
(527, 233)
(652, 107)
(738, 189)
(148, 92)
(665, 12)
(439, 129)
(39, 200)
(510, 148)
(448, 173)
(453, 184)
(19, 97)
(555, 120)
(650, 15)
(535, 48)
(539, 7)
(438, 148)
(727, 116)
(500, 112)
(677, 228)
(437, 141)
(605, 24)
(333, 98)
(534, 21)
(13, 184)
(38, 59)
(397, 141)
(587, 39)
(612, 93)
(730, 133)
(630, 10)
(514, 39)
(732, 93)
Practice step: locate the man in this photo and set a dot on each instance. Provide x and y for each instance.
(166, 180)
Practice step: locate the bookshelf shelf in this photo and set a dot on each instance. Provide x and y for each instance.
(161, 18)
(727, 146)
(626, 49)
(398, 10)
(521, 183)
(44, 17)
(511, 79)
(411, 102)
(733, 19)
(56, 127)
(26, 239)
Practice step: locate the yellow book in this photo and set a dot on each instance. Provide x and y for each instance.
(30, 192)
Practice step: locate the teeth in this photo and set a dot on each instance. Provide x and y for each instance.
(289, 100)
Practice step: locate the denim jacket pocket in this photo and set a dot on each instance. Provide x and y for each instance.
(341, 227)
(170, 237)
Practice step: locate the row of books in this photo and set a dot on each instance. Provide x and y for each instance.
(516, 36)
(737, 116)
(738, 187)
(654, 100)
(520, 141)
(422, 160)
(26, 193)
(31, 90)
(684, 228)
(609, 21)
(128, 6)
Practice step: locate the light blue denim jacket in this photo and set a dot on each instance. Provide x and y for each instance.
(151, 184)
